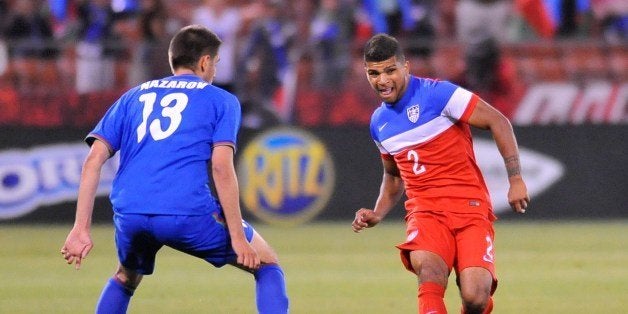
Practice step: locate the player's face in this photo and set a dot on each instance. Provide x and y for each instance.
(388, 78)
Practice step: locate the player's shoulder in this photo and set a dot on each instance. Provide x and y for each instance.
(129, 94)
(434, 89)
(377, 113)
(429, 82)
(221, 98)
(222, 93)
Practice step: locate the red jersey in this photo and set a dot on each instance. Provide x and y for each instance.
(427, 135)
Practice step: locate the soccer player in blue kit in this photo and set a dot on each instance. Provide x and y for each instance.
(166, 132)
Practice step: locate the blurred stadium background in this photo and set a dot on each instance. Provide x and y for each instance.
(557, 69)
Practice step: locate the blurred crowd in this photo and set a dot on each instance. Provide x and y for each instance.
(289, 61)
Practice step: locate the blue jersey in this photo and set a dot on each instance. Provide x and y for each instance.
(165, 130)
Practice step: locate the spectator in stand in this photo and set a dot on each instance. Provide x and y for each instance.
(31, 46)
(302, 14)
(4, 12)
(533, 15)
(94, 53)
(389, 16)
(310, 105)
(570, 18)
(8, 96)
(352, 106)
(153, 48)
(330, 36)
(482, 26)
(422, 35)
(224, 18)
(477, 20)
(267, 65)
(612, 18)
(4, 50)
(492, 75)
(441, 15)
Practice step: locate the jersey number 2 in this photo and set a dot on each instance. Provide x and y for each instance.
(173, 113)
(417, 168)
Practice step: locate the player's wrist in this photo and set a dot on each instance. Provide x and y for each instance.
(515, 178)
(237, 235)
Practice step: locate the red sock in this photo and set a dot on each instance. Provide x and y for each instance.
(489, 306)
(431, 298)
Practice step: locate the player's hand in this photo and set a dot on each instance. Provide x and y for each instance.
(518, 197)
(365, 218)
(76, 247)
(247, 256)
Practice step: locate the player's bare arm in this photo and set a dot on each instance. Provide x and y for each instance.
(390, 193)
(223, 172)
(78, 242)
(486, 117)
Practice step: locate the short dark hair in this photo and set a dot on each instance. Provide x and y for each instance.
(190, 44)
(382, 47)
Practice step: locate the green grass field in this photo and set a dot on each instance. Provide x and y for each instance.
(571, 268)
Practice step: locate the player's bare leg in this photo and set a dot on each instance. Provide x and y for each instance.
(433, 273)
(475, 290)
(266, 253)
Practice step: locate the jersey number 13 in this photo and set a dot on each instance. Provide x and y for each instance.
(171, 112)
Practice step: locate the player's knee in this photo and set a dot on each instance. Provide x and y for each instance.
(430, 268)
(128, 278)
(475, 300)
(430, 273)
(269, 257)
(473, 308)
(265, 252)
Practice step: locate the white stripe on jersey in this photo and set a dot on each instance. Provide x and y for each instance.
(457, 103)
(453, 111)
(418, 135)
(381, 148)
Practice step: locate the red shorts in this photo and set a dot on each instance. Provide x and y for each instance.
(462, 240)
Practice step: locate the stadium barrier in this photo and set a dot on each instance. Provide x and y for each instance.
(573, 172)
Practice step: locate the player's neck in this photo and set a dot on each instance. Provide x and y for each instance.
(184, 72)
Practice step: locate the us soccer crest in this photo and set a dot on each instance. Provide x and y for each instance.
(413, 113)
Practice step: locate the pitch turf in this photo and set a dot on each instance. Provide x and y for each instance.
(577, 267)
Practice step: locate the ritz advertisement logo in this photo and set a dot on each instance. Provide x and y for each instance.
(286, 176)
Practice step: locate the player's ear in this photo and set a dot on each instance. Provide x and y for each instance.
(202, 65)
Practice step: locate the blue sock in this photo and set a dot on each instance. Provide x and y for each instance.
(271, 290)
(114, 298)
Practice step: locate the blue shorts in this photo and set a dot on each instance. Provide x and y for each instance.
(138, 238)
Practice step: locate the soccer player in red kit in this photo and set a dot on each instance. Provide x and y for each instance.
(422, 132)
